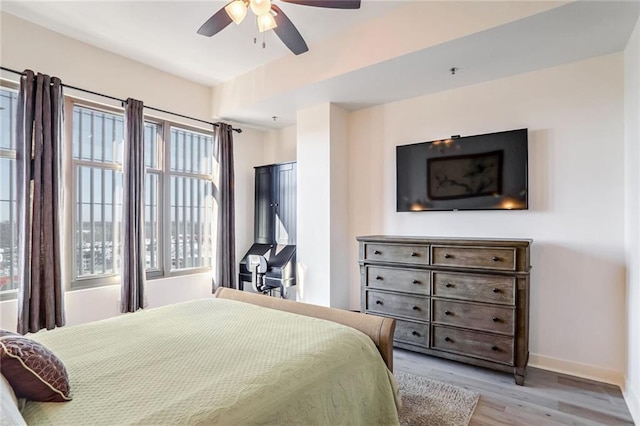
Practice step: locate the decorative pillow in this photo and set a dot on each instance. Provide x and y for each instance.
(10, 414)
(33, 371)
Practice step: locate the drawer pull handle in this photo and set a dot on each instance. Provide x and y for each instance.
(447, 256)
(416, 282)
(447, 313)
(448, 285)
(494, 348)
(377, 252)
(414, 254)
(378, 302)
(416, 308)
(447, 339)
(415, 333)
(495, 258)
(379, 278)
(496, 319)
(496, 290)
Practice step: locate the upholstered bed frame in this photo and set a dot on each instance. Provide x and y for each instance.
(379, 329)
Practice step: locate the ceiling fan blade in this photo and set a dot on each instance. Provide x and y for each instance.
(215, 24)
(288, 32)
(333, 4)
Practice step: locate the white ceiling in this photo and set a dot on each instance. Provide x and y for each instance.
(573, 32)
(162, 34)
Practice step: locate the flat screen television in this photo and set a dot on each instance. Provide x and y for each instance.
(480, 172)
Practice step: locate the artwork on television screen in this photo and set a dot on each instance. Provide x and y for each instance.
(464, 176)
(481, 172)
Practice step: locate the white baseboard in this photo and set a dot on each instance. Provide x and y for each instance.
(585, 371)
(633, 402)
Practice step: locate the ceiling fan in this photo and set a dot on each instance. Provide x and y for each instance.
(270, 16)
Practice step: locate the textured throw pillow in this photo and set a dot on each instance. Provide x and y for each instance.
(33, 371)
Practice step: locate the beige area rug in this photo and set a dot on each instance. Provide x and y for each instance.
(428, 402)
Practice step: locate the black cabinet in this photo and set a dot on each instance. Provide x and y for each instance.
(274, 230)
(264, 220)
(275, 204)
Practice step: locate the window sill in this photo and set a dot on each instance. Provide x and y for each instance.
(9, 295)
(89, 283)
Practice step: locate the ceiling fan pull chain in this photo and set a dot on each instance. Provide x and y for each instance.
(264, 43)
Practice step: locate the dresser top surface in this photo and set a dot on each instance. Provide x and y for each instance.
(444, 240)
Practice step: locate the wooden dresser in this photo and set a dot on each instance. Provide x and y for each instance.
(462, 299)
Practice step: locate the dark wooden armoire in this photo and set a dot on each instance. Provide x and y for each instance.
(274, 227)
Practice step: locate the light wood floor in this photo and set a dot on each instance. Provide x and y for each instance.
(546, 398)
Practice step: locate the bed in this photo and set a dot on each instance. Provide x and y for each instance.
(237, 358)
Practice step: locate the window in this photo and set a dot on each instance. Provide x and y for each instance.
(97, 158)
(178, 196)
(8, 227)
(153, 194)
(179, 215)
(191, 199)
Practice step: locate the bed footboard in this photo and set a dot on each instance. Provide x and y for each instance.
(379, 329)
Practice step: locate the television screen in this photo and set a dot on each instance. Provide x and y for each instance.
(481, 172)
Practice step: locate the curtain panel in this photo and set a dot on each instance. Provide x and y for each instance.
(39, 127)
(225, 268)
(132, 274)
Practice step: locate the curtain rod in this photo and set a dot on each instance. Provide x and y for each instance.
(123, 101)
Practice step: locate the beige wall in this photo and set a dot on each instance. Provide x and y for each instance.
(632, 232)
(322, 224)
(313, 205)
(574, 114)
(364, 45)
(26, 45)
(339, 208)
(88, 67)
(280, 145)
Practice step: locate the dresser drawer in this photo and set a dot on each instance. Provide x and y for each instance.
(408, 280)
(411, 332)
(470, 315)
(479, 345)
(408, 254)
(474, 257)
(398, 305)
(482, 288)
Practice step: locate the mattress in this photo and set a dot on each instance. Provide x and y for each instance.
(218, 361)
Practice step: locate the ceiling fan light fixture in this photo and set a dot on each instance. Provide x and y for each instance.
(236, 10)
(266, 22)
(260, 7)
(269, 16)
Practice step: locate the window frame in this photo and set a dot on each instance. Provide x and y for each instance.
(11, 155)
(167, 195)
(164, 197)
(76, 282)
(159, 272)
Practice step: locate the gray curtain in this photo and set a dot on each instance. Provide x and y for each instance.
(226, 245)
(132, 274)
(39, 196)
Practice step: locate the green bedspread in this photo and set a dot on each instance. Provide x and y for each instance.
(218, 361)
